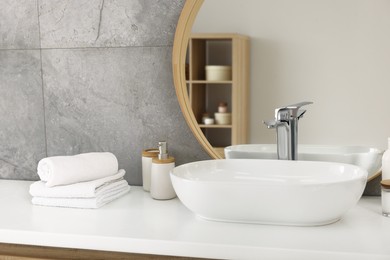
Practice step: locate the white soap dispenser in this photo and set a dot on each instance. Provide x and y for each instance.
(386, 162)
(161, 185)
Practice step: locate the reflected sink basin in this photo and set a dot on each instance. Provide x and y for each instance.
(299, 193)
(367, 158)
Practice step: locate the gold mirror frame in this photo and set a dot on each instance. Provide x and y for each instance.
(180, 43)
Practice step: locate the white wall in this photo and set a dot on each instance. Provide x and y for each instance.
(335, 53)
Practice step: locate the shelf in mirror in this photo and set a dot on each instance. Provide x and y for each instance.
(216, 71)
(210, 81)
(215, 126)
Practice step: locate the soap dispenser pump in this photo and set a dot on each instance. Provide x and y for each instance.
(161, 185)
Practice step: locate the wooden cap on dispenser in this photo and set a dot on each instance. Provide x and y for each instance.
(170, 159)
(153, 152)
(385, 184)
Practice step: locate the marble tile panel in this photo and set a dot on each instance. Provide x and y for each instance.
(120, 100)
(19, 27)
(108, 23)
(22, 133)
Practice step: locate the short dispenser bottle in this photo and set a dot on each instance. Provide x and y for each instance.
(161, 185)
(147, 156)
(386, 162)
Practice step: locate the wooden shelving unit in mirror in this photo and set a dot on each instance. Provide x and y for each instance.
(218, 73)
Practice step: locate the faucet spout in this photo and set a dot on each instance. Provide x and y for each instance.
(286, 125)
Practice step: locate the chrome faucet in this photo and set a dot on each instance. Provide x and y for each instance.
(286, 124)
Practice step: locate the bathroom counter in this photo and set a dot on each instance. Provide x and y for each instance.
(138, 224)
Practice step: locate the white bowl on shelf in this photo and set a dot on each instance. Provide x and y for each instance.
(218, 73)
(223, 118)
(209, 121)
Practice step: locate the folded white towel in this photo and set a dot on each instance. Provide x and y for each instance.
(86, 189)
(86, 203)
(63, 170)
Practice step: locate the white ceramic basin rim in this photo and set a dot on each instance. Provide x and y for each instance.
(269, 191)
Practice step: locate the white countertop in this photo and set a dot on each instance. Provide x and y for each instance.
(136, 223)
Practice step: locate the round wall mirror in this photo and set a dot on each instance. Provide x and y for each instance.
(334, 53)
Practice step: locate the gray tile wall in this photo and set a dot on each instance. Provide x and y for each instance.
(88, 75)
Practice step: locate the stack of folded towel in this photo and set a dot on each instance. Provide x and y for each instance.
(87, 180)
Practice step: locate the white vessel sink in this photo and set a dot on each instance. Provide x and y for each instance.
(367, 158)
(276, 192)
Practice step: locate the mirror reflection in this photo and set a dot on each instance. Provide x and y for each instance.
(334, 53)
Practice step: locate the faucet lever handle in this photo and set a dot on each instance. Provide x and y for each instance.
(291, 111)
(299, 105)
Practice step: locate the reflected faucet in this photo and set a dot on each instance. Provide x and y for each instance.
(286, 124)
